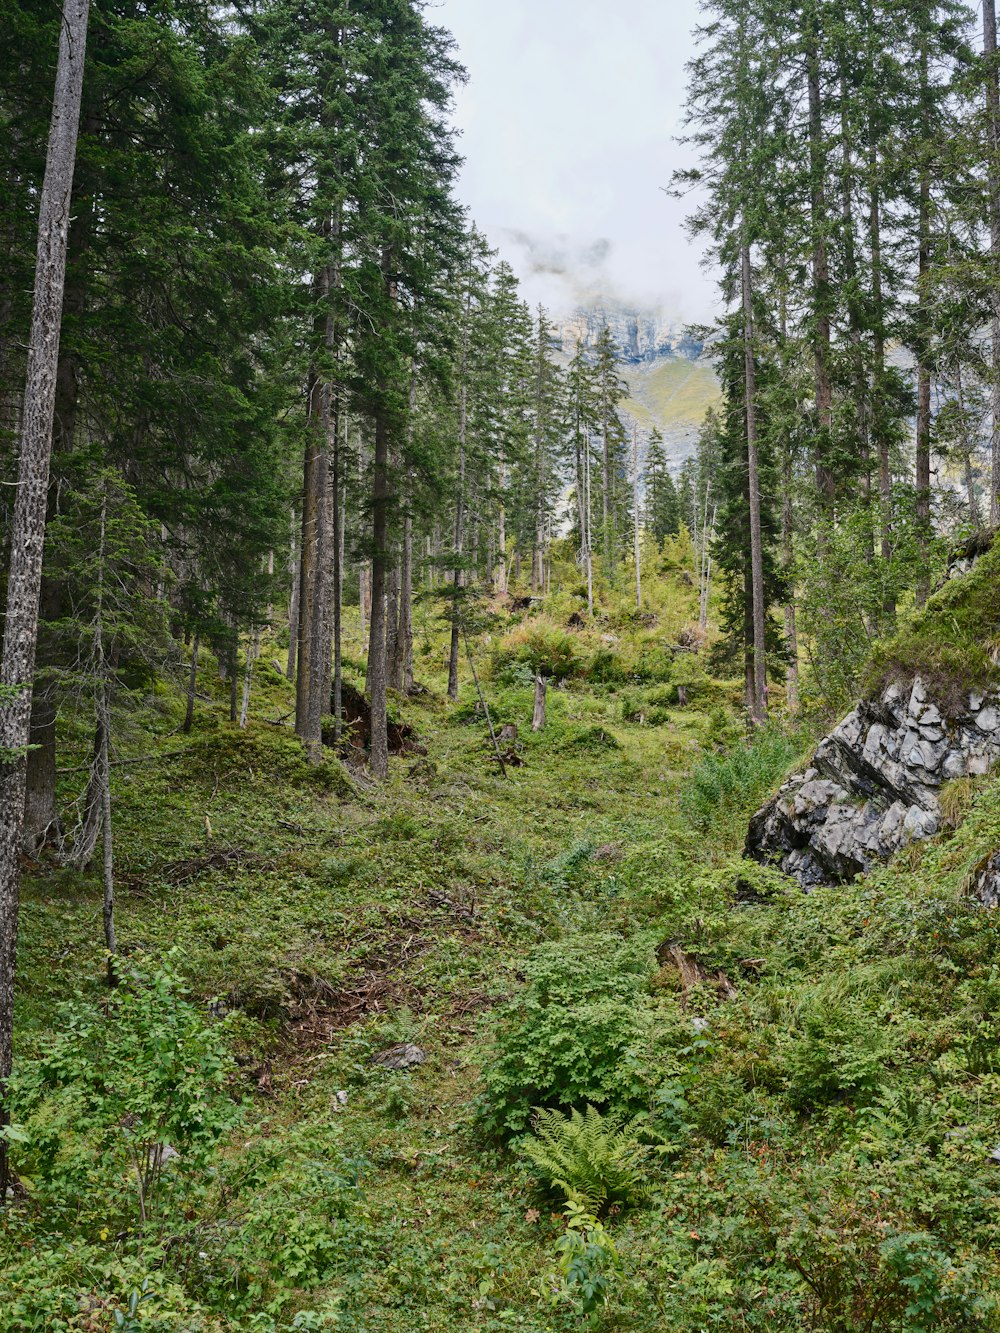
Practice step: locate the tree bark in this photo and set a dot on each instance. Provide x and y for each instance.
(923, 422)
(538, 717)
(295, 569)
(28, 528)
(825, 481)
(192, 681)
(758, 709)
(993, 171)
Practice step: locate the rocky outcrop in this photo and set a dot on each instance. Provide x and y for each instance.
(873, 784)
(641, 335)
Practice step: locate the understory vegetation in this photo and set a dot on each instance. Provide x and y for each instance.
(660, 1087)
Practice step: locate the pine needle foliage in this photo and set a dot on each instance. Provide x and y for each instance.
(596, 1160)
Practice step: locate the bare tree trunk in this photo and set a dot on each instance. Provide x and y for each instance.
(759, 708)
(788, 561)
(975, 517)
(635, 509)
(404, 639)
(252, 652)
(192, 681)
(993, 113)
(295, 569)
(825, 481)
(923, 423)
(379, 753)
(393, 661)
(338, 580)
(500, 582)
(538, 717)
(233, 677)
(28, 529)
(463, 411)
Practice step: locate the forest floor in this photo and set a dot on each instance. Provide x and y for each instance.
(815, 1080)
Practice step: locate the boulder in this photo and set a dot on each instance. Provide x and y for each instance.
(873, 785)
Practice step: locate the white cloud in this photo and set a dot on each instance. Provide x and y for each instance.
(568, 126)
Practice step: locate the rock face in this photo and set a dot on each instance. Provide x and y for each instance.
(641, 335)
(873, 785)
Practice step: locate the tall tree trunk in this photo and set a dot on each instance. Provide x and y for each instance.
(758, 709)
(28, 528)
(825, 480)
(295, 569)
(923, 423)
(393, 661)
(879, 404)
(192, 681)
(404, 639)
(252, 652)
(635, 524)
(993, 171)
(338, 577)
(379, 753)
(463, 425)
(500, 581)
(788, 564)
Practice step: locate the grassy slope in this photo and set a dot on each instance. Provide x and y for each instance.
(339, 922)
(673, 394)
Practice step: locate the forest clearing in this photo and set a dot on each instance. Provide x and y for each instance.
(499, 806)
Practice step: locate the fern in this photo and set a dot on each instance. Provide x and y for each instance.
(595, 1160)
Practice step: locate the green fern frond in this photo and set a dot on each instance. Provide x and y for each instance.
(594, 1159)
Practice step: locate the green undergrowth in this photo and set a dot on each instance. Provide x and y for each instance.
(662, 1088)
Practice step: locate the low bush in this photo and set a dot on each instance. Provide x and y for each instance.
(566, 1039)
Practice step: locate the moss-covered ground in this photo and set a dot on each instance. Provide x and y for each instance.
(812, 1082)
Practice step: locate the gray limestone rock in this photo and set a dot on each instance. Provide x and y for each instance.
(873, 784)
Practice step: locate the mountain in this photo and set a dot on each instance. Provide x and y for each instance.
(672, 384)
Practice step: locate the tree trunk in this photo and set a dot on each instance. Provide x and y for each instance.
(788, 562)
(192, 681)
(28, 528)
(635, 524)
(295, 569)
(393, 660)
(538, 717)
(379, 753)
(879, 405)
(923, 423)
(463, 414)
(108, 859)
(404, 640)
(993, 172)
(825, 480)
(338, 580)
(252, 652)
(759, 709)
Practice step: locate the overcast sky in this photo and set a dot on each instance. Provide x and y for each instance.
(568, 126)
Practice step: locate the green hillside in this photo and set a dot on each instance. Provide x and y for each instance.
(673, 394)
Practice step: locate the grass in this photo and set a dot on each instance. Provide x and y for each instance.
(815, 1080)
(953, 644)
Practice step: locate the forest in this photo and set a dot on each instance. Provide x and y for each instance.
(462, 864)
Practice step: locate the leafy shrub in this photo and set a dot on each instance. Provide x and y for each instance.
(606, 668)
(545, 650)
(837, 1043)
(128, 1107)
(595, 1159)
(566, 1039)
(587, 1261)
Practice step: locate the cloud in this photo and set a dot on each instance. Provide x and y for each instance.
(568, 126)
